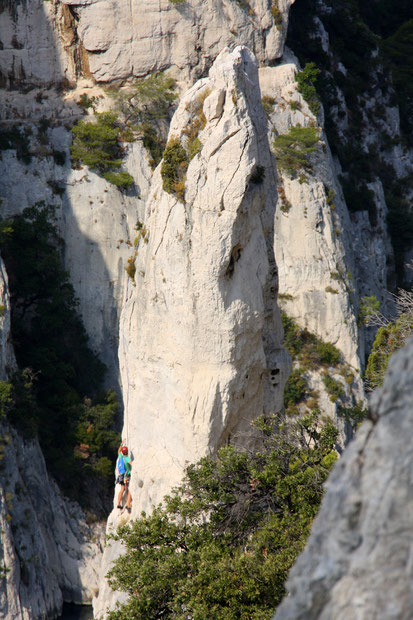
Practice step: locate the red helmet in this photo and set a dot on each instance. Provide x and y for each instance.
(124, 450)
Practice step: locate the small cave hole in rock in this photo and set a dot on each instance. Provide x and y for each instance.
(273, 376)
(71, 611)
(258, 175)
(235, 256)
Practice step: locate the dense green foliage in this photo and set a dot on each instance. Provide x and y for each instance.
(173, 168)
(293, 150)
(310, 353)
(48, 397)
(306, 80)
(98, 145)
(333, 387)
(224, 541)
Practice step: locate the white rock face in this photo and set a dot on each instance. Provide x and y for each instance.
(317, 269)
(357, 562)
(137, 38)
(29, 51)
(44, 42)
(200, 351)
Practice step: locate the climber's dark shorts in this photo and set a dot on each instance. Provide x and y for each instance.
(122, 479)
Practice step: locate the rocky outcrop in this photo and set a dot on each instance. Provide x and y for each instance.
(317, 270)
(200, 350)
(155, 35)
(112, 40)
(357, 562)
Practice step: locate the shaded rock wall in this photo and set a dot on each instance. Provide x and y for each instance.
(48, 551)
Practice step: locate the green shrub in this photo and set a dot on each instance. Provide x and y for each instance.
(6, 397)
(334, 388)
(368, 307)
(276, 14)
(131, 268)
(305, 347)
(85, 102)
(294, 105)
(268, 104)
(389, 339)
(234, 563)
(153, 143)
(293, 150)
(328, 353)
(97, 145)
(354, 415)
(295, 388)
(173, 168)
(120, 179)
(145, 105)
(305, 80)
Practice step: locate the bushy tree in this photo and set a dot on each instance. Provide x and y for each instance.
(306, 80)
(292, 150)
(97, 144)
(223, 542)
(173, 168)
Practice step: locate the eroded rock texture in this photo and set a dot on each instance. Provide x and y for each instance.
(357, 563)
(200, 351)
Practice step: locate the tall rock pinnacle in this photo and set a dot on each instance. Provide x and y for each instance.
(200, 352)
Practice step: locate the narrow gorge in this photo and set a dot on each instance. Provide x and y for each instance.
(202, 206)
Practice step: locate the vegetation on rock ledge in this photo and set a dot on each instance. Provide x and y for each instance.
(293, 150)
(98, 145)
(222, 545)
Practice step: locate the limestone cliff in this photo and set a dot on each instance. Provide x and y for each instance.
(313, 249)
(111, 40)
(357, 561)
(194, 342)
(200, 350)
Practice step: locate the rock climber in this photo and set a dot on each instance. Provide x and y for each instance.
(124, 467)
